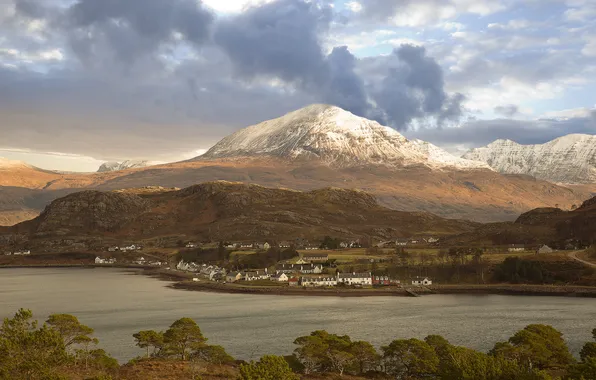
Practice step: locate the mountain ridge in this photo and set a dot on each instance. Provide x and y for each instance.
(569, 159)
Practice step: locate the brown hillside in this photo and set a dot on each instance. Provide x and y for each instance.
(540, 226)
(480, 195)
(231, 211)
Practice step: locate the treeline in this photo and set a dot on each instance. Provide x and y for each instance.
(63, 348)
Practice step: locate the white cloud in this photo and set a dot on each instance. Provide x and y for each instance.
(354, 6)
(590, 46)
(231, 6)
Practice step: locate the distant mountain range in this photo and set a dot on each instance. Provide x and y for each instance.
(116, 166)
(316, 147)
(568, 159)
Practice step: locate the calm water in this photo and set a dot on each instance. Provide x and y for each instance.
(117, 304)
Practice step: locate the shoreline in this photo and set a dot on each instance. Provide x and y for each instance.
(469, 289)
(181, 281)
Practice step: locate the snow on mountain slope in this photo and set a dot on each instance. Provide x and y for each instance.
(335, 137)
(115, 166)
(567, 159)
(9, 164)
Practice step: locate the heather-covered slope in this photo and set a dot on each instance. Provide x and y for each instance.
(223, 210)
(551, 226)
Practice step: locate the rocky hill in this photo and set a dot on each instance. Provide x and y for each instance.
(552, 226)
(230, 211)
(568, 159)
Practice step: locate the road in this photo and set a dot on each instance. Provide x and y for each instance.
(573, 255)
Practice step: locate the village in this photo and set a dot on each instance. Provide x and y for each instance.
(308, 271)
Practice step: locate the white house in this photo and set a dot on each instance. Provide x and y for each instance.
(256, 275)
(516, 248)
(354, 278)
(191, 245)
(22, 253)
(319, 281)
(99, 260)
(422, 281)
(545, 249)
(140, 261)
(233, 276)
(281, 277)
(301, 268)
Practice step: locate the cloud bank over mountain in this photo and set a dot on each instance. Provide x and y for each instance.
(158, 79)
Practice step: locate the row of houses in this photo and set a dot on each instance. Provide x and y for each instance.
(523, 248)
(213, 272)
(129, 248)
(17, 253)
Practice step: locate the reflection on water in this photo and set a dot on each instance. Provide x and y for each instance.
(117, 304)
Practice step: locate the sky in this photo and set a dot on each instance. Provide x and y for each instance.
(83, 82)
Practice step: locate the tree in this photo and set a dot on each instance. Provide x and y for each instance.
(149, 339)
(365, 356)
(584, 370)
(538, 346)
(589, 349)
(311, 352)
(268, 368)
(213, 355)
(183, 338)
(70, 329)
(410, 359)
(28, 351)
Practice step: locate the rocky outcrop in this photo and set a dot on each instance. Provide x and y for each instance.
(90, 212)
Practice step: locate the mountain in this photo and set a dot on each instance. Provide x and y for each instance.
(569, 159)
(226, 211)
(319, 147)
(116, 166)
(335, 137)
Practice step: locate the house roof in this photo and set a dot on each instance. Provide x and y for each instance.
(354, 275)
(320, 278)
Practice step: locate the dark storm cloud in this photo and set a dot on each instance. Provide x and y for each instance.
(345, 88)
(508, 110)
(415, 88)
(134, 27)
(482, 132)
(279, 38)
(282, 39)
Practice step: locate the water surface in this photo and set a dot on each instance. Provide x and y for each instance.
(117, 304)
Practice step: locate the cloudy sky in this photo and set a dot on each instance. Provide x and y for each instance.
(88, 81)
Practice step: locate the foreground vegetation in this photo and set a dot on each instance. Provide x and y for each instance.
(63, 348)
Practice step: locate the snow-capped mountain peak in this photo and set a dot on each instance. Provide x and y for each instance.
(567, 159)
(335, 137)
(128, 164)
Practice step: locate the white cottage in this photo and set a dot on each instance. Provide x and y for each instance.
(281, 277)
(422, 281)
(319, 281)
(354, 278)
